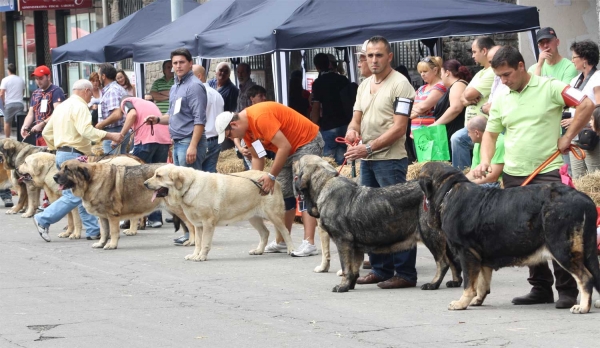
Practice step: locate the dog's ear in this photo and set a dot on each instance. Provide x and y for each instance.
(177, 177)
(85, 173)
(426, 183)
(9, 145)
(36, 166)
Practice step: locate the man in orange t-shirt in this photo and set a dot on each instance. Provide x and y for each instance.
(276, 127)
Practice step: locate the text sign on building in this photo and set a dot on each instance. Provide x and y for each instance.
(54, 4)
(8, 5)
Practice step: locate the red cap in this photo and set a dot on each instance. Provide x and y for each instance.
(41, 71)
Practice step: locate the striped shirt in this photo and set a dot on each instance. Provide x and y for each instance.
(111, 100)
(160, 85)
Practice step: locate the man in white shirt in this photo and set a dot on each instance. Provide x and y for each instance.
(214, 106)
(11, 92)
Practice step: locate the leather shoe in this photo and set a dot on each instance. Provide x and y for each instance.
(534, 297)
(370, 278)
(396, 282)
(565, 301)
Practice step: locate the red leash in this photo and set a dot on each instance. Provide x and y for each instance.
(573, 148)
(344, 141)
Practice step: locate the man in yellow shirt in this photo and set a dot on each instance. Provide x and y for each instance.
(70, 132)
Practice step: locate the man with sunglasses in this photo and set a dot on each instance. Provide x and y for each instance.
(70, 132)
(382, 152)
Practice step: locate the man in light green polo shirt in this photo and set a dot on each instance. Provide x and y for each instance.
(529, 113)
(550, 62)
(475, 95)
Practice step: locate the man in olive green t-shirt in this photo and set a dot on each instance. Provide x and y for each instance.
(529, 114)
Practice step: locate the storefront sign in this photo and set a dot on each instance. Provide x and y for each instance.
(53, 4)
(8, 5)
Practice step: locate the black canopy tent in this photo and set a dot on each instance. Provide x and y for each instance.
(277, 26)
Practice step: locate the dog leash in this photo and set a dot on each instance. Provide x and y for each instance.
(253, 181)
(572, 148)
(344, 141)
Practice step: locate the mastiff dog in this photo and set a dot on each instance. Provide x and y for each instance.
(12, 155)
(494, 228)
(363, 219)
(112, 193)
(209, 200)
(39, 169)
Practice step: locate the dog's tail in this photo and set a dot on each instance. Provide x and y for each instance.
(178, 223)
(590, 245)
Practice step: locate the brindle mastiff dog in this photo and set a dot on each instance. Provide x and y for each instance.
(495, 228)
(363, 219)
(112, 193)
(210, 199)
(12, 155)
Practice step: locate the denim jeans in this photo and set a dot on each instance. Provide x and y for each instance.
(212, 155)
(67, 202)
(333, 148)
(180, 150)
(152, 153)
(4, 194)
(121, 148)
(461, 146)
(380, 174)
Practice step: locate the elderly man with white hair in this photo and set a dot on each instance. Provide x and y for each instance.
(225, 87)
(70, 132)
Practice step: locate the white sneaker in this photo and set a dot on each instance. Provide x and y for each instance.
(305, 249)
(275, 247)
(153, 224)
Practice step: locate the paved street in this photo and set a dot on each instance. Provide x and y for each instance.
(66, 294)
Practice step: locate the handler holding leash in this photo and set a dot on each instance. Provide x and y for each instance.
(530, 114)
(384, 159)
(69, 131)
(276, 127)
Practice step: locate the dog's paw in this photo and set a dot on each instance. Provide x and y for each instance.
(65, 234)
(456, 305)
(255, 252)
(129, 232)
(341, 288)
(10, 212)
(476, 301)
(27, 215)
(577, 309)
(75, 235)
(110, 247)
(430, 286)
(98, 245)
(322, 268)
(340, 273)
(453, 283)
(195, 257)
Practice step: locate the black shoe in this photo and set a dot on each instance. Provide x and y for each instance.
(169, 220)
(92, 237)
(8, 203)
(565, 301)
(534, 297)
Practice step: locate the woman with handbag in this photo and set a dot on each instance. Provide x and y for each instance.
(585, 55)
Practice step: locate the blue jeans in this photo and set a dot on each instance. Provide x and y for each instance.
(212, 155)
(180, 150)
(461, 146)
(121, 149)
(152, 153)
(67, 202)
(333, 148)
(4, 194)
(381, 174)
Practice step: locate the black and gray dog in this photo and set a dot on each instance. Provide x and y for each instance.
(494, 228)
(362, 219)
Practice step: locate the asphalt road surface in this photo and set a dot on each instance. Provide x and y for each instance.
(144, 294)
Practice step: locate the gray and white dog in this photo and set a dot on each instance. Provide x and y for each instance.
(363, 219)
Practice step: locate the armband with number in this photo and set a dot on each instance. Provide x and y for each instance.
(572, 96)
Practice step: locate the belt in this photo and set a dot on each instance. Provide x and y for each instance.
(69, 149)
(212, 138)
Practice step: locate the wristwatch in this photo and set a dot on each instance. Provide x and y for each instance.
(272, 177)
(369, 150)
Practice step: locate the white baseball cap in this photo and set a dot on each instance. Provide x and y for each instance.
(221, 123)
(363, 49)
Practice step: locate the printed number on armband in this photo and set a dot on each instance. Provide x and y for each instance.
(572, 96)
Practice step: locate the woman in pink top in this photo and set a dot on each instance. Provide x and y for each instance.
(427, 95)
